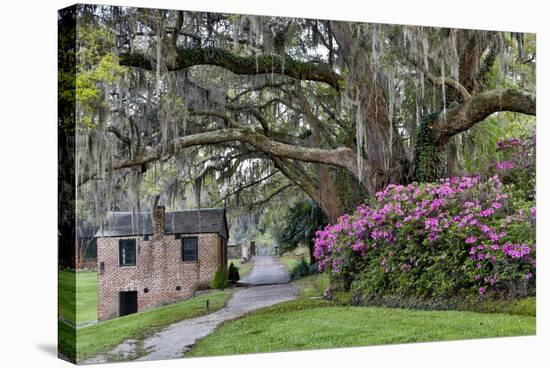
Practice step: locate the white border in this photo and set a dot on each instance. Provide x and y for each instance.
(28, 179)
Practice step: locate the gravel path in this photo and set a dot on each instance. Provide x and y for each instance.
(267, 270)
(269, 285)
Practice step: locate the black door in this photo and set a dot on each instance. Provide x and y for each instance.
(128, 302)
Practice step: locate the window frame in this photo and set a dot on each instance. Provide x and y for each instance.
(120, 242)
(196, 238)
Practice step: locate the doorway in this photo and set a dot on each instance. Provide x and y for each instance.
(128, 302)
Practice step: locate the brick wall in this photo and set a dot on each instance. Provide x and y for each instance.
(158, 268)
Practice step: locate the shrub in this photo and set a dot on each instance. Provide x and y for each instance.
(516, 166)
(301, 269)
(435, 240)
(219, 281)
(233, 273)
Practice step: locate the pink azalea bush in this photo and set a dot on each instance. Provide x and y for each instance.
(460, 235)
(516, 166)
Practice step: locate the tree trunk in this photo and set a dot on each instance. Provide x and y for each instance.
(452, 153)
(329, 198)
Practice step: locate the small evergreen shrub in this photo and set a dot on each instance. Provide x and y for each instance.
(301, 269)
(233, 273)
(220, 280)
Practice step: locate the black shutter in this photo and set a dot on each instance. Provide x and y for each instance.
(189, 249)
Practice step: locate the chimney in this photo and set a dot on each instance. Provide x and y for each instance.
(158, 221)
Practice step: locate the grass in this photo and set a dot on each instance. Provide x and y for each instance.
(77, 296)
(524, 307)
(103, 336)
(312, 286)
(317, 324)
(290, 261)
(244, 268)
(315, 285)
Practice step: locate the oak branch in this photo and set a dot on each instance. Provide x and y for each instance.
(480, 106)
(242, 65)
(341, 156)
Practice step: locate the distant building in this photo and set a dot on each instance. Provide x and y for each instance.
(235, 251)
(145, 260)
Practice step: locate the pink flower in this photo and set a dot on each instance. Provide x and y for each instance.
(505, 165)
(484, 228)
(431, 223)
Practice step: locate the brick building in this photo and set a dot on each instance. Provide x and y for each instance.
(145, 260)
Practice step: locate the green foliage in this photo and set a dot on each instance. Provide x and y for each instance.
(433, 242)
(97, 68)
(478, 146)
(429, 162)
(516, 166)
(233, 273)
(521, 307)
(89, 82)
(220, 280)
(304, 218)
(66, 64)
(243, 268)
(302, 268)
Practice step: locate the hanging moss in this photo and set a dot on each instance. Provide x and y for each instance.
(428, 158)
(238, 64)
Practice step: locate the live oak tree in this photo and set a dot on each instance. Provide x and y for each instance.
(334, 109)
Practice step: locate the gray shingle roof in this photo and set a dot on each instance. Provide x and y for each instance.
(204, 220)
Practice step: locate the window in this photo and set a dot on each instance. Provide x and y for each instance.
(189, 249)
(127, 252)
(101, 268)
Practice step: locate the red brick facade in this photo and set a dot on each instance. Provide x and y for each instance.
(158, 272)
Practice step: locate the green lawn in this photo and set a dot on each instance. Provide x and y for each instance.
(83, 285)
(244, 268)
(313, 285)
(290, 261)
(317, 324)
(103, 336)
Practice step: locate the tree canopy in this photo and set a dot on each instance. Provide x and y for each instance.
(259, 113)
